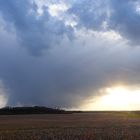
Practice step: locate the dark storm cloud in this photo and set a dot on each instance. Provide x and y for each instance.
(119, 15)
(35, 33)
(91, 14)
(126, 20)
(59, 70)
(65, 76)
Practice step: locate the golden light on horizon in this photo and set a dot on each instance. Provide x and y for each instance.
(116, 98)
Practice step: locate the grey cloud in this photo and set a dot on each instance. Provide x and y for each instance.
(126, 20)
(69, 71)
(119, 15)
(35, 33)
(66, 76)
(91, 14)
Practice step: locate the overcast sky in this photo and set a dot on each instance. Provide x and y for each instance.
(64, 52)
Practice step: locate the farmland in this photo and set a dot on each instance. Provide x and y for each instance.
(76, 126)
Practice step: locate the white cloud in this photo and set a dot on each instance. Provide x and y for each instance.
(57, 9)
(3, 95)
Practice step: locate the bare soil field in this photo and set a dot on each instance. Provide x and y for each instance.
(77, 126)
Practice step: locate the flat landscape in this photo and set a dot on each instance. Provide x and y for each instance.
(76, 126)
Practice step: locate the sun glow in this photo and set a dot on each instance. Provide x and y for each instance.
(116, 98)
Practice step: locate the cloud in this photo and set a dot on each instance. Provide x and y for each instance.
(3, 95)
(34, 32)
(121, 16)
(126, 20)
(65, 58)
(91, 14)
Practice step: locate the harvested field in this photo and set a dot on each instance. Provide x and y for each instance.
(78, 126)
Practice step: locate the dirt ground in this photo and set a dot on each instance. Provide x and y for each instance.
(78, 126)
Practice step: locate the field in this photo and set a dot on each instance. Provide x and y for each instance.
(77, 126)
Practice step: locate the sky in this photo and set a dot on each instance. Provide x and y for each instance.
(70, 54)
